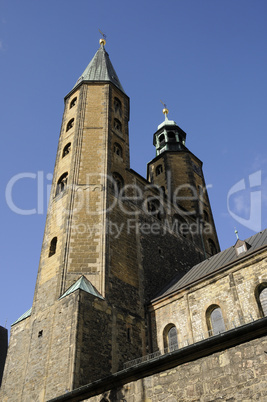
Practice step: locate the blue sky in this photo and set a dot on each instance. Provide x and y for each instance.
(206, 59)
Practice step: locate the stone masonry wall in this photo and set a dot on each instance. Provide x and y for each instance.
(232, 290)
(235, 374)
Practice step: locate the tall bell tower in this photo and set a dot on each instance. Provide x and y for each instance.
(86, 318)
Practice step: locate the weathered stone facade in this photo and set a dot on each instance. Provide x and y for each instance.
(230, 366)
(233, 290)
(236, 374)
(113, 240)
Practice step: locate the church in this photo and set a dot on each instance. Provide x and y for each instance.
(134, 301)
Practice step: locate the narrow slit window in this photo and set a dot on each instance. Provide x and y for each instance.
(159, 170)
(117, 106)
(117, 183)
(53, 247)
(162, 140)
(117, 149)
(171, 136)
(117, 124)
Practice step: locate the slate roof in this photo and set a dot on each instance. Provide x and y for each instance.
(100, 69)
(212, 264)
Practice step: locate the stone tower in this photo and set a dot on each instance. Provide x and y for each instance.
(109, 245)
(178, 172)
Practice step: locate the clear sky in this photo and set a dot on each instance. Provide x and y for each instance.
(206, 59)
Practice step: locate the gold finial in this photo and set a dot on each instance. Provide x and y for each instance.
(102, 41)
(236, 233)
(165, 111)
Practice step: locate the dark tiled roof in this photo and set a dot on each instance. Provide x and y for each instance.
(213, 263)
(100, 69)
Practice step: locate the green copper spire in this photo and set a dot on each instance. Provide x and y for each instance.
(100, 69)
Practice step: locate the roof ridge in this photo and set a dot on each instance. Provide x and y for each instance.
(212, 264)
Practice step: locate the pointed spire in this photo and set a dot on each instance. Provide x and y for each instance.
(100, 69)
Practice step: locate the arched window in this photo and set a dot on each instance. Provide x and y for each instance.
(66, 150)
(73, 102)
(70, 124)
(170, 338)
(117, 106)
(261, 297)
(263, 301)
(154, 208)
(159, 170)
(117, 183)
(171, 136)
(215, 320)
(117, 124)
(182, 227)
(53, 247)
(162, 140)
(212, 247)
(117, 149)
(62, 183)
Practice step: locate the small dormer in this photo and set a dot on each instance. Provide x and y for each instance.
(241, 247)
(169, 136)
